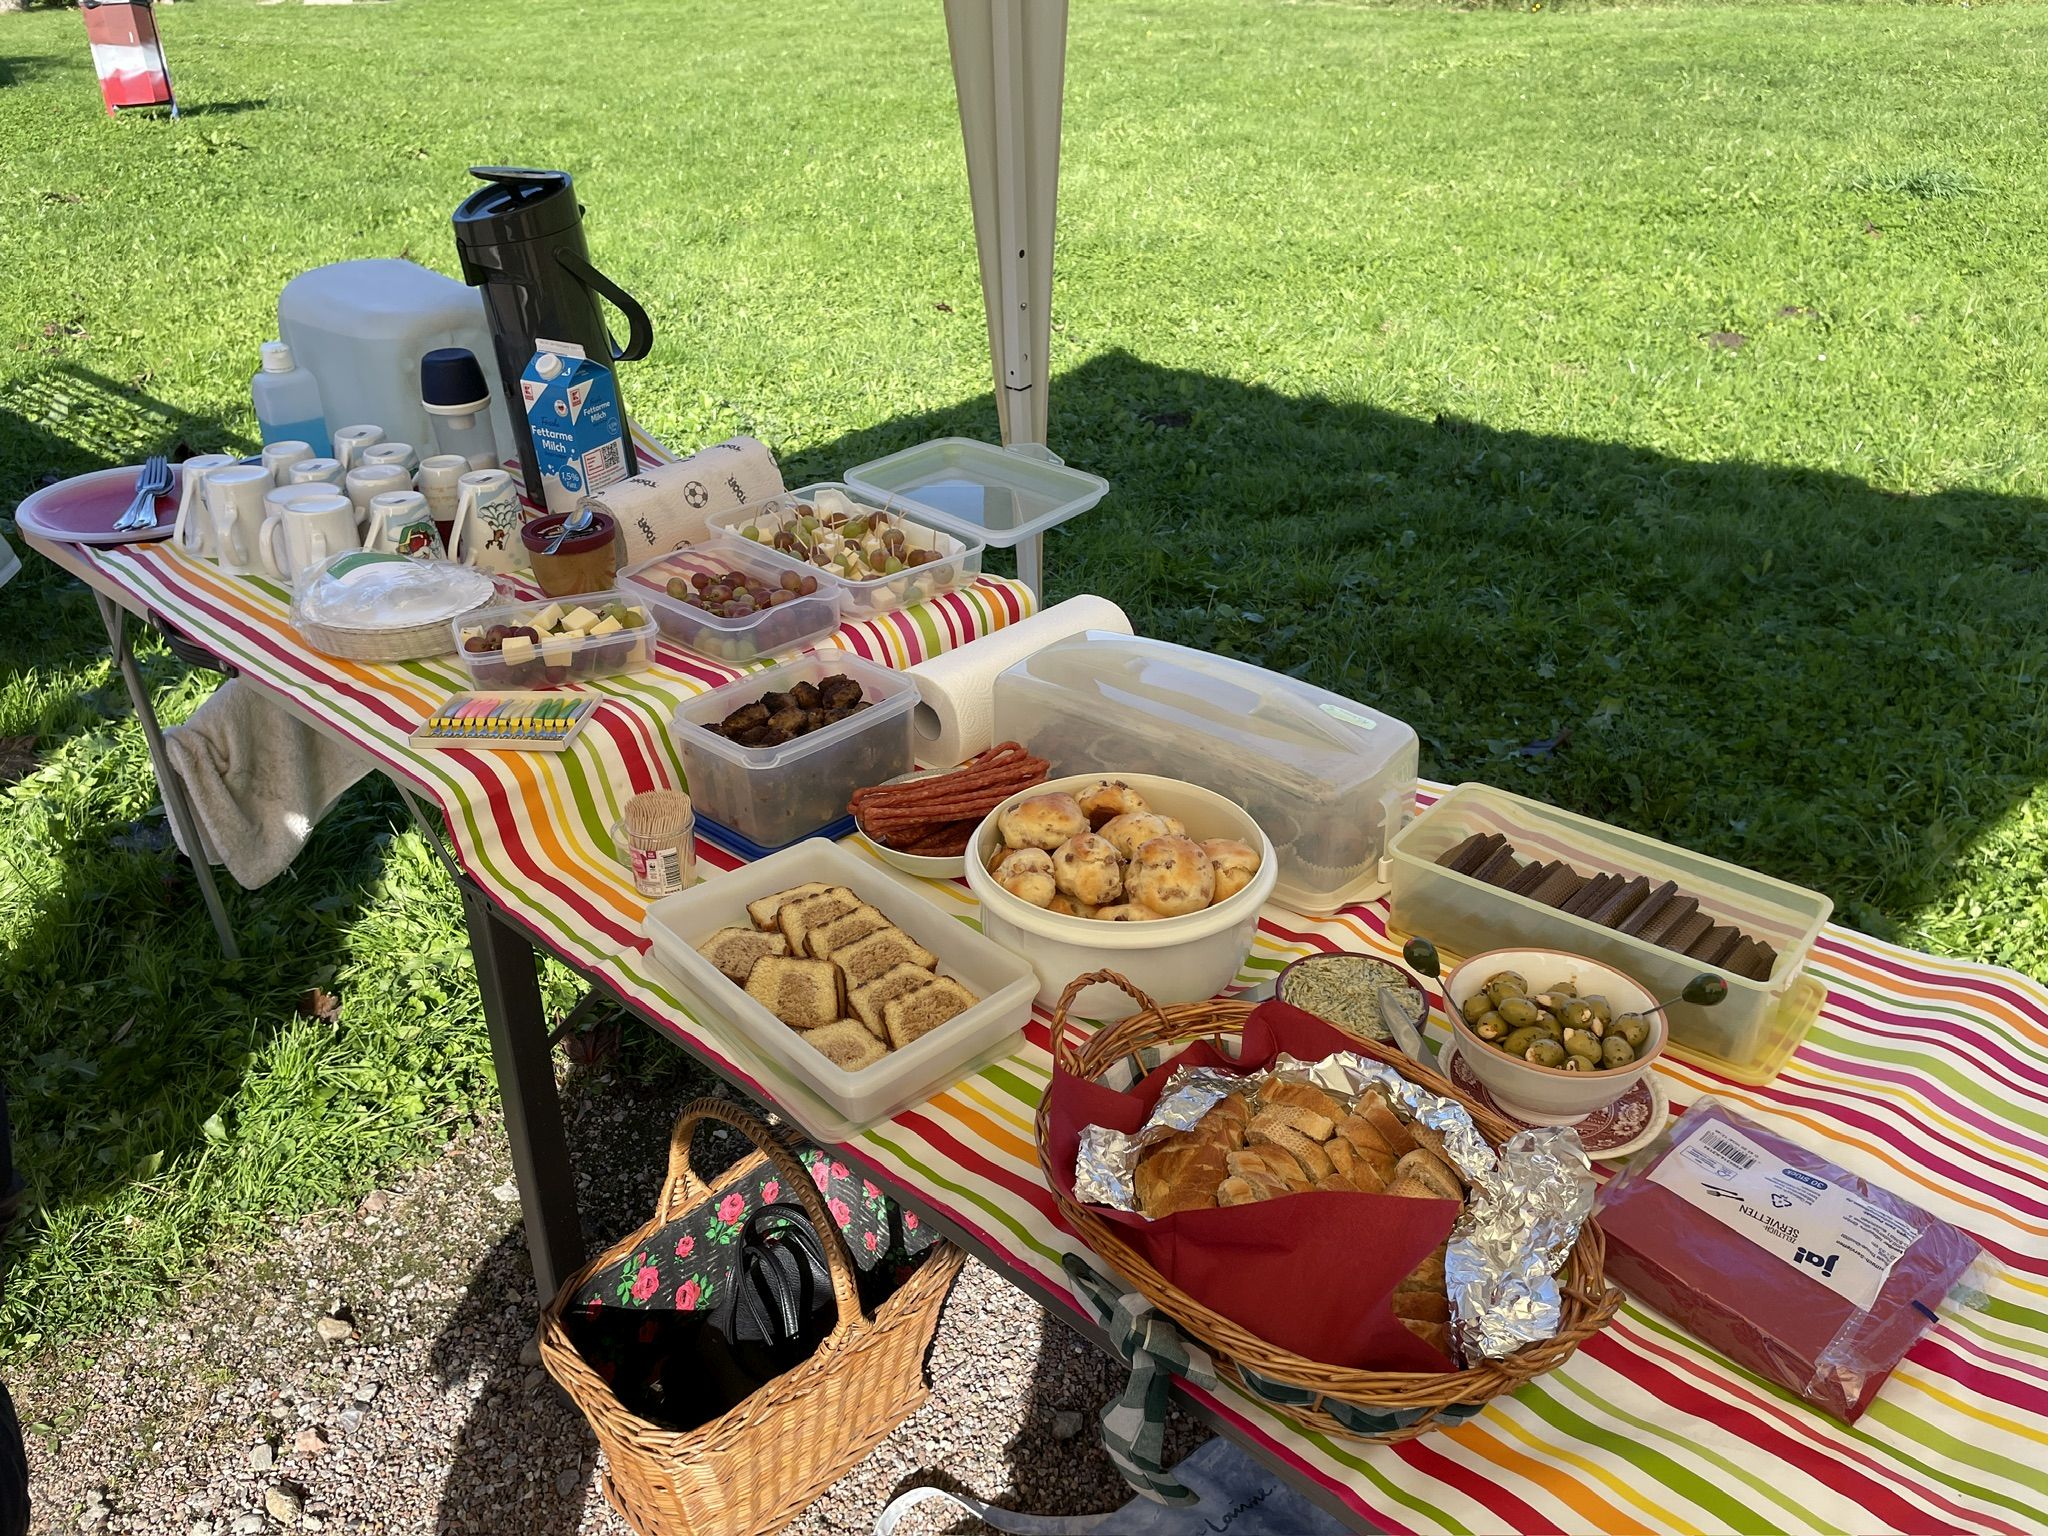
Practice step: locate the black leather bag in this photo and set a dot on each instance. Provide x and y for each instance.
(778, 1307)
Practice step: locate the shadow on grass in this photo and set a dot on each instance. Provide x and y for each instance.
(20, 68)
(64, 419)
(1793, 670)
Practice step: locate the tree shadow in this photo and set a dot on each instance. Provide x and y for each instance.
(1790, 669)
(63, 419)
(20, 68)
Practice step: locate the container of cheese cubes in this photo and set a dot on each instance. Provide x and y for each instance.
(550, 644)
(701, 936)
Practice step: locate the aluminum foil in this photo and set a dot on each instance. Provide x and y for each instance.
(1501, 1263)
(1520, 1220)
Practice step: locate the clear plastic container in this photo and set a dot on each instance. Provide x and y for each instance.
(1001, 496)
(959, 559)
(775, 795)
(555, 662)
(1747, 1036)
(1329, 781)
(771, 631)
(990, 1029)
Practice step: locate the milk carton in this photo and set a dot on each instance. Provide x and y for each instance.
(579, 432)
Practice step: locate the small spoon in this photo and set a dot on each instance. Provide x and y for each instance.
(576, 522)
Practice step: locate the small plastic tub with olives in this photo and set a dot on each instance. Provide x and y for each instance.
(879, 557)
(766, 611)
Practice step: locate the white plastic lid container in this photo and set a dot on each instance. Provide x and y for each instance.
(959, 559)
(775, 795)
(1329, 781)
(1001, 496)
(992, 1028)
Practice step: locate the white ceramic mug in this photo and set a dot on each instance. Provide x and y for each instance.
(439, 480)
(280, 456)
(369, 480)
(400, 524)
(315, 472)
(400, 454)
(487, 519)
(305, 531)
(193, 531)
(234, 504)
(350, 443)
(278, 497)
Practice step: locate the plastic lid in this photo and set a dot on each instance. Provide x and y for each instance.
(452, 381)
(516, 204)
(277, 357)
(1327, 779)
(547, 364)
(1001, 496)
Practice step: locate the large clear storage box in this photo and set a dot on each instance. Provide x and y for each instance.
(1329, 780)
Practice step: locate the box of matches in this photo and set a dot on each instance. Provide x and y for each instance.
(507, 722)
(1483, 869)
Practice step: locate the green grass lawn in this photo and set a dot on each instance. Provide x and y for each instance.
(1669, 376)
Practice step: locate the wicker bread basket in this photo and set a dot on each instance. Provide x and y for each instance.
(415, 642)
(753, 1469)
(1410, 1403)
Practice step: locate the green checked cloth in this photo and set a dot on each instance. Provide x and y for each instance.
(1134, 1426)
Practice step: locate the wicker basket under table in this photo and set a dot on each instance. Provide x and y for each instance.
(751, 1471)
(1418, 1399)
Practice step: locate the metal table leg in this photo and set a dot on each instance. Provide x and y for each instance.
(1031, 565)
(168, 784)
(506, 977)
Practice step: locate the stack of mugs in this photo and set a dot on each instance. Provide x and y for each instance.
(287, 514)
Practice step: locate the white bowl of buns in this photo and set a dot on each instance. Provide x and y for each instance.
(1156, 879)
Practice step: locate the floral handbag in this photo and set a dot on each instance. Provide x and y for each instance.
(675, 1327)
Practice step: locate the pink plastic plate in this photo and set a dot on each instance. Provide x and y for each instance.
(83, 509)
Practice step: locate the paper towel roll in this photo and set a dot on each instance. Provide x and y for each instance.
(666, 506)
(955, 715)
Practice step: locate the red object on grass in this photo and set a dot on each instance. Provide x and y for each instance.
(1312, 1273)
(127, 54)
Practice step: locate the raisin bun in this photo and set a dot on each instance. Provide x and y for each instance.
(1042, 821)
(1171, 875)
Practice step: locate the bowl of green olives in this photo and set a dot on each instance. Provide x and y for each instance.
(1554, 1036)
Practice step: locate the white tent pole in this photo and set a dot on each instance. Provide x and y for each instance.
(1009, 68)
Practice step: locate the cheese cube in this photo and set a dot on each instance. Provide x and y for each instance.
(517, 649)
(472, 633)
(548, 617)
(579, 619)
(558, 648)
(605, 627)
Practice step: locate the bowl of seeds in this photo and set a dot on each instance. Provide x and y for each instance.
(1344, 991)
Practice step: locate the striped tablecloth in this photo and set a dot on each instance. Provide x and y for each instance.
(1928, 1076)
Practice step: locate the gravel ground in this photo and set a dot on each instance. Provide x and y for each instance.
(230, 1414)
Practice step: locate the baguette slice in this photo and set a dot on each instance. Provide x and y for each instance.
(762, 913)
(1181, 1173)
(1381, 1117)
(842, 931)
(804, 994)
(916, 1014)
(865, 1002)
(881, 951)
(1314, 1161)
(1432, 1171)
(1312, 1125)
(845, 1044)
(1302, 1096)
(1237, 1191)
(796, 919)
(734, 950)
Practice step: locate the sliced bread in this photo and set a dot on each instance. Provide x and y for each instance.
(881, 951)
(796, 919)
(856, 925)
(916, 1014)
(846, 1044)
(762, 913)
(804, 994)
(865, 1002)
(734, 950)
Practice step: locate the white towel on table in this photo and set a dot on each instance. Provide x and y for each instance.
(258, 779)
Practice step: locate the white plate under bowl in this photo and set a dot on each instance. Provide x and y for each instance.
(925, 866)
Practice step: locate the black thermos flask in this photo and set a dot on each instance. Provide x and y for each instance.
(520, 239)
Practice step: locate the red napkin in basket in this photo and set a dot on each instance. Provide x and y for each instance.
(1313, 1273)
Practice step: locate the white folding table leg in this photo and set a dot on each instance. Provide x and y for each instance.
(175, 804)
(1031, 565)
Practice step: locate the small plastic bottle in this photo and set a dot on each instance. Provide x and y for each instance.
(287, 401)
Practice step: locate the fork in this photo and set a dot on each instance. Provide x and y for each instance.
(152, 483)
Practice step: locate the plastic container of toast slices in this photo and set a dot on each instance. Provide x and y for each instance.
(990, 1029)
